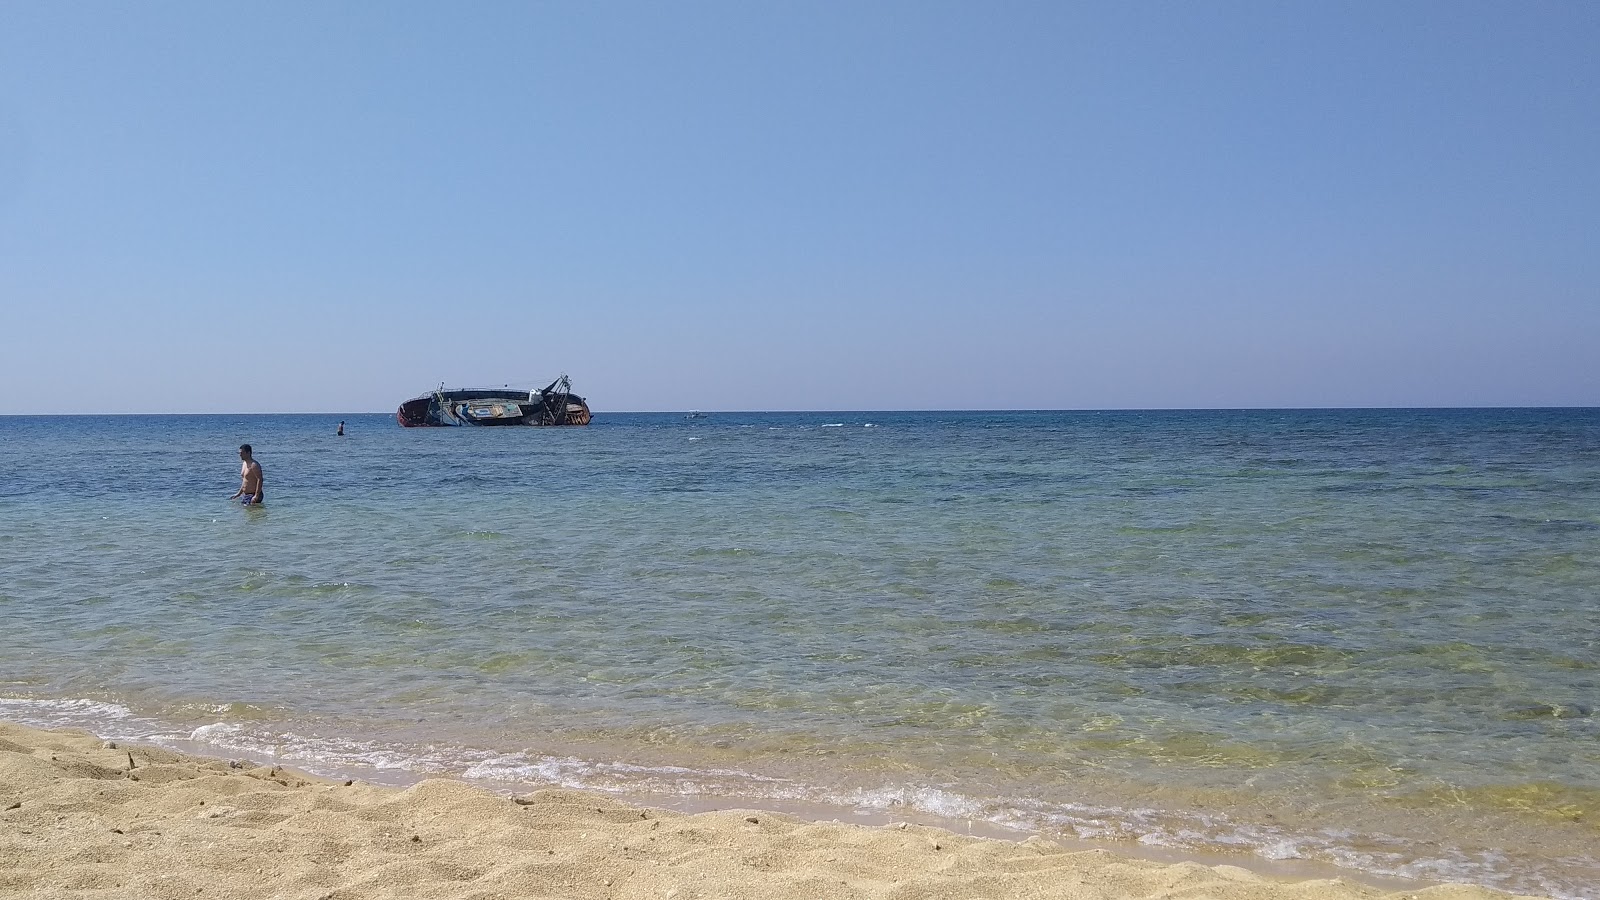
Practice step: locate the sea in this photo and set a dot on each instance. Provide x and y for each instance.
(1359, 642)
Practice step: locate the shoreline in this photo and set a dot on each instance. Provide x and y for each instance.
(1249, 837)
(82, 815)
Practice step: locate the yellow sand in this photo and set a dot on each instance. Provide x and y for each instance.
(79, 818)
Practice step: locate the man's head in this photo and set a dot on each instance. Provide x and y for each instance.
(244, 451)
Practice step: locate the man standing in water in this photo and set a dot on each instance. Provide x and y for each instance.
(251, 492)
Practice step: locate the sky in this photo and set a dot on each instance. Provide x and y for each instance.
(332, 207)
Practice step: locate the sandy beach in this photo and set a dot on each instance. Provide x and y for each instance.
(83, 817)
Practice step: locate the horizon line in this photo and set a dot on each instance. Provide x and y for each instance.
(727, 412)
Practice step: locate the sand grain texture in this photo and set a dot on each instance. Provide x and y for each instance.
(81, 819)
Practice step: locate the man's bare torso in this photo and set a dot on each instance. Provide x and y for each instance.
(250, 480)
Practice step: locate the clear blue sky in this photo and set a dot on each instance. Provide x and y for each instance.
(240, 207)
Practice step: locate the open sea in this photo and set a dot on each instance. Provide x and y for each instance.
(1357, 640)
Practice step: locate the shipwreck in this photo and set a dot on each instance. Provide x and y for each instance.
(553, 405)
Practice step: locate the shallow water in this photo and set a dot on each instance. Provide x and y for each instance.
(1364, 638)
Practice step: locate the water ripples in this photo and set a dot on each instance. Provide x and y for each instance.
(1359, 618)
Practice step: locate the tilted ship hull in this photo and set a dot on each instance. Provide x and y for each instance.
(554, 405)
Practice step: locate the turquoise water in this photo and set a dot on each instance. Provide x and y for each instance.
(1369, 639)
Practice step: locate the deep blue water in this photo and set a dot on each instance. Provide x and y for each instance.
(1368, 638)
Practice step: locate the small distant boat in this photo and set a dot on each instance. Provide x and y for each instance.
(696, 414)
(553, 405)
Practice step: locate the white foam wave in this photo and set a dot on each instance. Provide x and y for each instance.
(619, 777)
(1281, 850)
(933, 801)
(214, 734)
(15, 708)
(110, 720)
